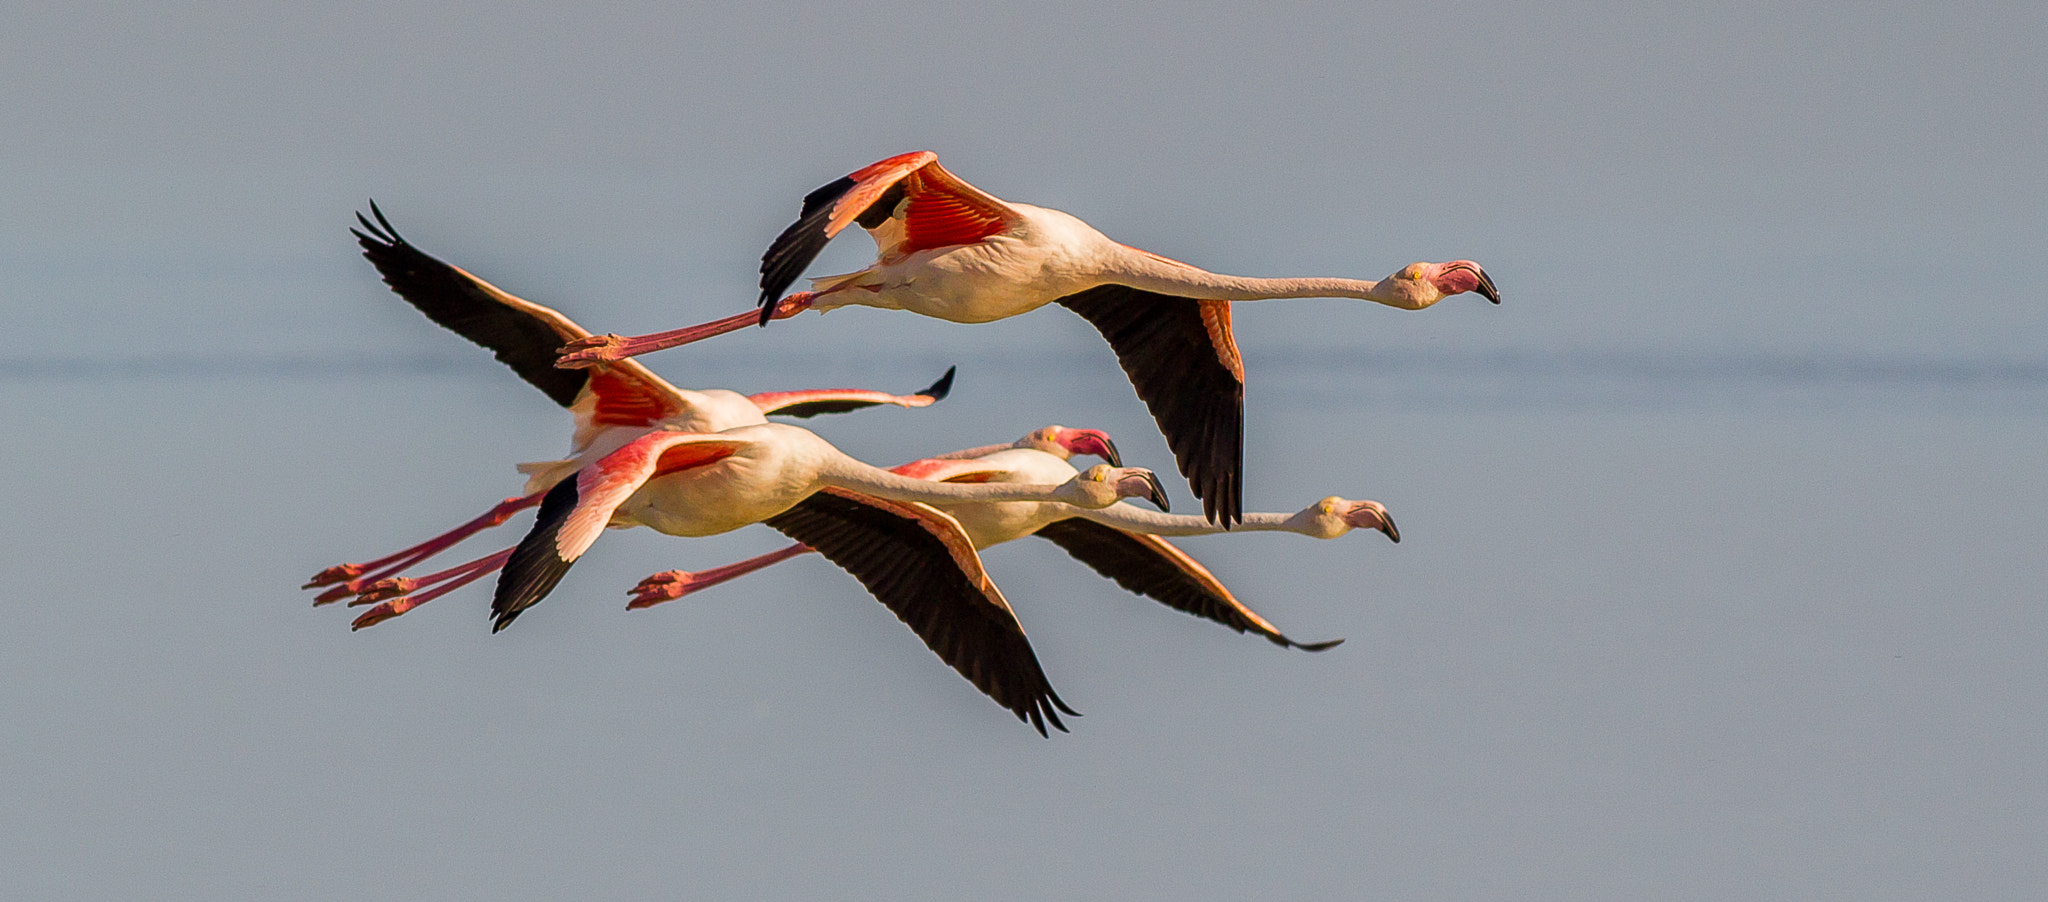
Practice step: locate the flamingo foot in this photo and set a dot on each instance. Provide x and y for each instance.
(668, 585)
(584, 353)
(383, 612)
(448, 580)
(389, 587)
(334, 574)
(338, 592)
(354, 577)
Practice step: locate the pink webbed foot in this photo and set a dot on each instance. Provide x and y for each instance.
(336, 594)
(673, 584)
(383, 612)
(353, 578)
(668, 585)
(386, 588)
(444, 582)
(334, 574)
(584, 353)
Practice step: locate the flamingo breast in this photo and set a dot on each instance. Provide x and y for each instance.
(1044, 256)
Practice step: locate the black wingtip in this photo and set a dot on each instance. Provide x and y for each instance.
(1057, 703)
(1046, 710)
(535, 567)
(938, 390)
(793, 250)
(380, 231)
(1316, 646)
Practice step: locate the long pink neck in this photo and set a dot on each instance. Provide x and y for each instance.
(1151, 272)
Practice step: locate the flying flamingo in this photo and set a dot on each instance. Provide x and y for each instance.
(948, 250)
(1120, 542)
(636, 461)
(612, 404)
(912, 557)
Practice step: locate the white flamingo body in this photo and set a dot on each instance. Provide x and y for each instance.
(948, 250)
(772, 466)
(912, 557)
(1119, 541)
(1042, 256)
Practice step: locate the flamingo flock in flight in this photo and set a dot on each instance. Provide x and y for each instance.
(703, 462)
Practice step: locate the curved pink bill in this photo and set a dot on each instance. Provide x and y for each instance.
(1091, 442)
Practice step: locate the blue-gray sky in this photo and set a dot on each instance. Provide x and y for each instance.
(1722, 532)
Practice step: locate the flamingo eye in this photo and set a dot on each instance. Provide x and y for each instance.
(1413, 273)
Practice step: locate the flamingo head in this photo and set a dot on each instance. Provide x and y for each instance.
(1419, 285)
(1334, 516)
(1065, 443)
(1103, 485)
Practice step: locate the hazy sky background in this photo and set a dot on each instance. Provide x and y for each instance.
(1721, 571)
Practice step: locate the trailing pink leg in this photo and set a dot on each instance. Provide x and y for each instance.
(455, 577)
(674, 584)
(353, 578)
(584, 353)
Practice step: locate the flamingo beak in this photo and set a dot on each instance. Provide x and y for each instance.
(1108, 452)
(1158, 495)
(1095, 442)
(1154, 492)
(1372, 515)
(1485, 286)
(1486, 290)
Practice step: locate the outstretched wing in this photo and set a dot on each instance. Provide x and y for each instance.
(523, 335)
(1154, 568)
(840, 400)
(576, 511)
(917, 562)
(941, 211)
(1182, 359)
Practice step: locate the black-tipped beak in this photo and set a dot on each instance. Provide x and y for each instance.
(1158, 494)
(1115, 459)
(1487, 291)
(1392, 531)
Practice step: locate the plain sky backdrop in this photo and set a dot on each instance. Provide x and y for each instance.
(1721, 571)
(1849, 170)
